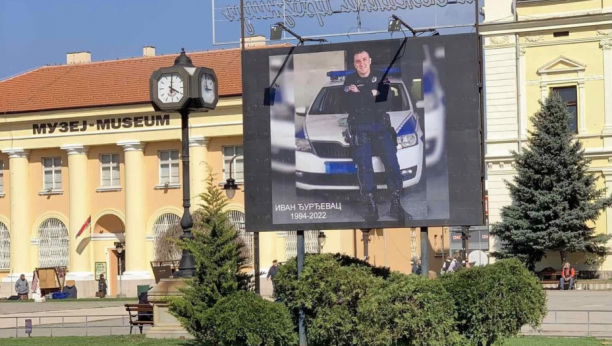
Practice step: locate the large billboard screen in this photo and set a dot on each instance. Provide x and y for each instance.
(372, 134)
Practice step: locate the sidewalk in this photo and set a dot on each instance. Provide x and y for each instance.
(576, 313)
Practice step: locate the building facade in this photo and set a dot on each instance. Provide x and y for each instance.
(551, 45)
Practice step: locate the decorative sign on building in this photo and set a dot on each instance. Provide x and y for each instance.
(100, 269)
(101, 124)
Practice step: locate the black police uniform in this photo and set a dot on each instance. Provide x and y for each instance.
(371, 134)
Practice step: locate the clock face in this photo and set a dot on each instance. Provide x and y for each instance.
(208, 88)
(170, 88)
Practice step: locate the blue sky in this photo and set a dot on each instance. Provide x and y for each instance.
(40, 32)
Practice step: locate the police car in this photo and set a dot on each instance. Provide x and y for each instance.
(323, 156)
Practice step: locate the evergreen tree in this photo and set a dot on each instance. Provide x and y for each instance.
(219, 258)
(553, 195)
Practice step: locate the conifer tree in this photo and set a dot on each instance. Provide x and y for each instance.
(553, 196)
(219, 258)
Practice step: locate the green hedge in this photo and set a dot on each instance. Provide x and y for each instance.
(246, 319)
(495, 301)
(347, 302)
(409, 310)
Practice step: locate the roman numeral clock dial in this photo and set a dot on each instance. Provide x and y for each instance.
(170, 88)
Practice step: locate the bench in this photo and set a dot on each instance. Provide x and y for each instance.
(553, 277)
(140, 315)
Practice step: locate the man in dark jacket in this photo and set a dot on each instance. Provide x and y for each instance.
(272, 274)
(371, 134)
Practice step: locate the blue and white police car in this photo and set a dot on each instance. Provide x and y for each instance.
(323, 158)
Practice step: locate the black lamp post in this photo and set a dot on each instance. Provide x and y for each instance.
(230, 188)
(184, 88)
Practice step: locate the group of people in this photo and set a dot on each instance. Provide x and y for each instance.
(22, 287)
(450, 265)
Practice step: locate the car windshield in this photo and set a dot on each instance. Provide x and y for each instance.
(330, 100)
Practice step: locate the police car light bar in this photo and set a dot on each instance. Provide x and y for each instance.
(335, 75)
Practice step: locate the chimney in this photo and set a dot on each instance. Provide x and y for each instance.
(78, 58)
(254, 41)
(148, 51)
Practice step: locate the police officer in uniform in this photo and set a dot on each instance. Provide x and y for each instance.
(370, 134)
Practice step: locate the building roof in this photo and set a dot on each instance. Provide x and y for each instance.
(108, 83)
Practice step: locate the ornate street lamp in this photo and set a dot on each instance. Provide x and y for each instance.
(230, 186)
(184, 88)
(119, 249)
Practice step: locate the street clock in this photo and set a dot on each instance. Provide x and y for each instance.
(184, 87)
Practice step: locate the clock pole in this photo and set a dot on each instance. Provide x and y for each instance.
(187, 265)
(192, 80)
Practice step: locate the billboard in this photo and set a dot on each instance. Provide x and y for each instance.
(372, 134)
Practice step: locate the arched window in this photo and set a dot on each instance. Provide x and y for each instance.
(53, 244)
(5, 247)
(237, 219)
(311, 243)
(166, 250)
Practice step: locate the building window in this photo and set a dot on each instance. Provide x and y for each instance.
(5, 247)
(165, 249)
(236, 218)
(311, 243)
(237, 167)
(1, 178)
(569, 97)
(52, 173)
(53, 244)
(168, 167)
(109, 166)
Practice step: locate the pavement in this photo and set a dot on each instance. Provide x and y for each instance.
(571, 313)
(65, 318)
(576, 313)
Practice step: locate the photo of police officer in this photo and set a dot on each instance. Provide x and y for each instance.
(371, 134)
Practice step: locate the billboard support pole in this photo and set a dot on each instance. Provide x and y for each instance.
(366, 240)
(256, 263)
(425, 252)
(300, 266)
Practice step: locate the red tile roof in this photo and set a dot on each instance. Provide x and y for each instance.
(107, 83)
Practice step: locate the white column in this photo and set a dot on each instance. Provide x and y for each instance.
(606, 46)
(581, 109)
(19, 168)
(135, 256)
(607, 172)
(80, 256)
(544, 91)
(523, 93)
(198, 168)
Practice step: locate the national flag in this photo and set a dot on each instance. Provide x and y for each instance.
(85, 225)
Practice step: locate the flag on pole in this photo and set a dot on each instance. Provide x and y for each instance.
(85, 225)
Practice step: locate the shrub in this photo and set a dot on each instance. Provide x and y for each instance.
(246, 319)
(495, 301)
(411, 310)
(348, 302)
(218, 255)
(330, 294)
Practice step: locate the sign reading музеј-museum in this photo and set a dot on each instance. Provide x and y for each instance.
(117, 123)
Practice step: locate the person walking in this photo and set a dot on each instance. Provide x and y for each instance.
(416, 265)
(101, 287)
(272, 274)
(22, 287)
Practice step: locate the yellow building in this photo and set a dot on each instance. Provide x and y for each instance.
(560, 45)
(82, 141)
